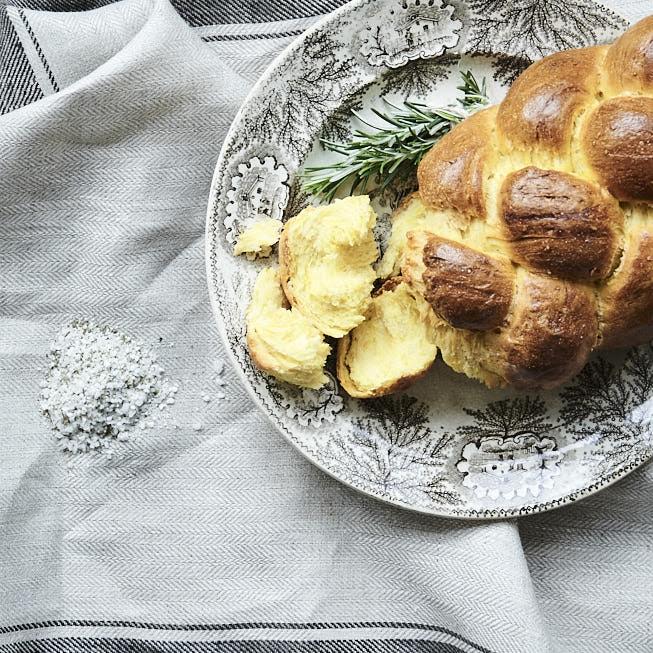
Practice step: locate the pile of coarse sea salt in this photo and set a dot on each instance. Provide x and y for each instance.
(100, 385)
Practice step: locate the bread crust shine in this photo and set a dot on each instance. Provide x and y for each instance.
(619, 143)
(466, 288)
(626, 302)
(451, 175)
(551, 332)
(560, 224)
(541, 106)
(554, 187)
(629, 60)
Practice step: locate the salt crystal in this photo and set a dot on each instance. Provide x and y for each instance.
(99, 385)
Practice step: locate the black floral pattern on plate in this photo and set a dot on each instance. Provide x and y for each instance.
(304, 93)
(612, 406)
(392, 449)
(525, 30)
(454, 451)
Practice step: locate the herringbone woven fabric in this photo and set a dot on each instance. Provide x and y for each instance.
(223, 538)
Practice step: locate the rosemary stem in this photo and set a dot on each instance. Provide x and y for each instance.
(409, 133)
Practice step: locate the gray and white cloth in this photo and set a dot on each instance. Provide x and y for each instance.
(217, 535)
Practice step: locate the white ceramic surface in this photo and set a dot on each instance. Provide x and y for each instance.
(447, 446)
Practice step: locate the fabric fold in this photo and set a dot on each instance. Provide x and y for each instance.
(208, 531)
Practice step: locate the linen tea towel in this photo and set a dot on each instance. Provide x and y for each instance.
(209, 532)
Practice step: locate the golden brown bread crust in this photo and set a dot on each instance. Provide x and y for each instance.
(561, 224)
(561, 184)
(536, 337)
(626, 302)
(541, 106)
(553, 328)
(518, 240)
(629, 62)
(618, 139)
(465, 287)
(451, 175)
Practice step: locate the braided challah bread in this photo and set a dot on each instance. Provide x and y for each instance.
(528, 245)
(532, 232)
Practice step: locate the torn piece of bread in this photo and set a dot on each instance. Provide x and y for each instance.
(257, 241)
(392, 348)
(281, 341)
(326, 255)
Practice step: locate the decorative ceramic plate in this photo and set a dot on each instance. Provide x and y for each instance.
(448, 446)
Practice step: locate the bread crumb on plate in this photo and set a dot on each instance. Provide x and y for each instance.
(258, 240)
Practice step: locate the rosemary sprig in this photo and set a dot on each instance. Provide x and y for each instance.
(386, 153)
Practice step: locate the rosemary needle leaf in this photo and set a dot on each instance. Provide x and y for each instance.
(383, 154)
(387, 118)
(365, 122)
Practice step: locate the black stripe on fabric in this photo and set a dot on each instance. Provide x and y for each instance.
(104, 645)
(89, 623)
(250, 37)
(210, 12)
(60, 5)
(18, 85)
(44, 61)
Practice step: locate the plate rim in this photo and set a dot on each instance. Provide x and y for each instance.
(469, 515)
